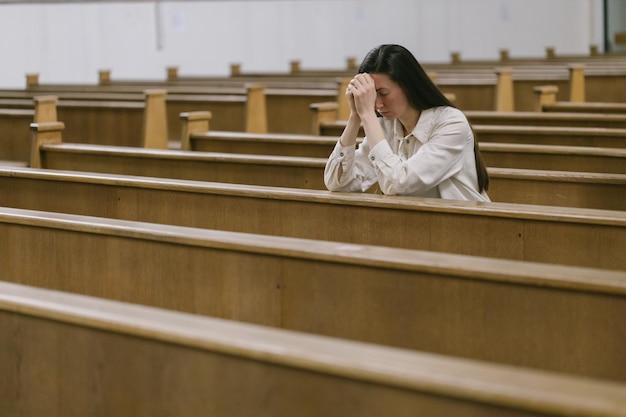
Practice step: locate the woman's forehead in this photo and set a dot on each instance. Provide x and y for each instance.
(382, 81)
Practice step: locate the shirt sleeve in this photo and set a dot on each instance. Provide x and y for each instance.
(349, 170)
(439, 158)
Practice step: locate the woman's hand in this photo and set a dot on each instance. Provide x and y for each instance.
(363, 95)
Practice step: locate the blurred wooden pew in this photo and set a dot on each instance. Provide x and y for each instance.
(157, 359)
(538, 135)
(508, 155)
(15, 136)
(275, 106)
(553, 119)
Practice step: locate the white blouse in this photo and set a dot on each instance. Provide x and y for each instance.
(435, 160)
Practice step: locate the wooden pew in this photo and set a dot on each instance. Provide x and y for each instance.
(502, 155)
(578, 237)
(588, 107)
(15, 135)
(156, 360)
(548, 135)
(546, 100)
(287, 108)
(558, 158)
(125, 116)
(547, 112)
(299, 284)
(553, 119)
(544, 132)
(121, 123)
(559, 188)
(551, 57)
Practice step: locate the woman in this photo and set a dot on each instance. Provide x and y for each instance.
(416, 142)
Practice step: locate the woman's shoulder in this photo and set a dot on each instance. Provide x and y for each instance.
(446, 112)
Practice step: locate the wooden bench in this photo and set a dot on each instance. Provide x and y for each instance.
(594, 57)
(503, 155)
(15, 135)
(552, 157)
(537, 135)
(589, 107)
(302, 285)
(553, 119)
(570, 73)
(510, 89)
(559, 188)
(570, 236)
(547, 101)
(252, 106)
(157, 359)
(124, 114)
(547, 135)
(122, 123)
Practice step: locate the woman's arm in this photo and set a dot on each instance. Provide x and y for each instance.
(348, 169)
(440, 158)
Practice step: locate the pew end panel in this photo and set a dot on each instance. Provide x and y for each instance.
(504, 99)
(15, 136)
(155, 120)
(42, 134)
(256, 108)
(45, 109)
(193, 122)
(545, 95)
(104, 77)
(325, 112)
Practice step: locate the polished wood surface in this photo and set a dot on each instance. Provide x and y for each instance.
(502, 155)
(581, 237)
(563, 188)
(163, 363)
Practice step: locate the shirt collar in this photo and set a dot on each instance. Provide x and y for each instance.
(422, 129)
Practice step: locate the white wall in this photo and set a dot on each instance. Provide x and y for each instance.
(71, 42)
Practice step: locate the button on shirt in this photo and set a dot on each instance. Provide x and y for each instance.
(435, 160)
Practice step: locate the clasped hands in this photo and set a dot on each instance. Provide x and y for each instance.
(361, 95)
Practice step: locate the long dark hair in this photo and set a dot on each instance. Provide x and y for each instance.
(399, 64)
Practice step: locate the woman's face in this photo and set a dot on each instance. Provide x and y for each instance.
(391, 102)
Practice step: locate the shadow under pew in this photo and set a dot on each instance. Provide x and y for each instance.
(299, 284)
(277, 372)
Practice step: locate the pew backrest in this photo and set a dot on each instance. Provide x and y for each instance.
(74, 335)
(281, 274)
(582, 237)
